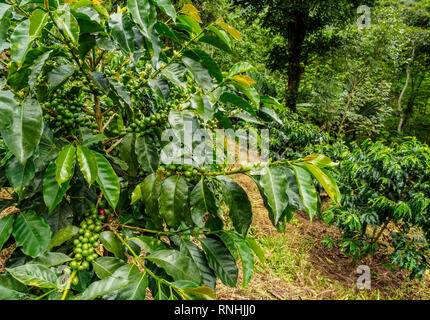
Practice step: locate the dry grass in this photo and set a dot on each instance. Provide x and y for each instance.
(298, 266)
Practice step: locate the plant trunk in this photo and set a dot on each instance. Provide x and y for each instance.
(296, 38)
(399, 102)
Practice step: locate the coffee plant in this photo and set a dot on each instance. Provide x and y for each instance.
(90, 207)
(385, 201)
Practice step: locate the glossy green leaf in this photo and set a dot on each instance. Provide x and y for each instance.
(11, 289)
(150, 191)
(69, 25)
(167, 7)
(113, 244)
(207, 61)
(190, 23)
(65, 164)
(107, 180)
(127, 153)
(199, 258)
(202, 200)
(20, 41)
(199, 73)
(8, 107)
(87, 163)
(147, 153)
(174, 200)
(240, 67)
(5, 17)
(256, 247)
(245, 254)
(59, 75)
(31, 232)
(240, 209)
(122, 32)
(203, 106)
(273, 184)
(178, 265)
(221, 261)
(136, 290)
(63, 235)
(52, 192)
(144, 15)
(51, 259)
(6, 226)
(241, 103)
(307, 190)
(174, 73)
(104, 267)
(223, 37)
(23, 136)
(103, 287)
(36, 275)
(38, 20)
(326, 180)
(20, 176)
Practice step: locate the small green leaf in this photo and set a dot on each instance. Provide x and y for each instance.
(51, 259)
(176, 264)
(63, 235)
(307, 190)
(36, 275)
(87, 163)
(69, 25)
(52, 193)
(325, 179)
(6, 226)
(147, 153)
(113, 244)
(20, 176)
(31, 232)
(199, 258)
(38, 20)
(273, 184)
(103, 287)
(107, 180)
(144, 15)
(65, 164)
(23, 136)
(104, 267)
(240, 209)
(20, 41)
(8, 105)
(167, 7)
(221, 261)
(11, 289)
(174, 200)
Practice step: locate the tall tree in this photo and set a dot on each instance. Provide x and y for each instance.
(300, 23)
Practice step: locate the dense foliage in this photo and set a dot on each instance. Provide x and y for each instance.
(93, 210)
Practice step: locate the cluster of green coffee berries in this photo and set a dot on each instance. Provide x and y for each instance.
(89, 229)
(64, 112)
(211, 125)
(149, 124)
(189, 172)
